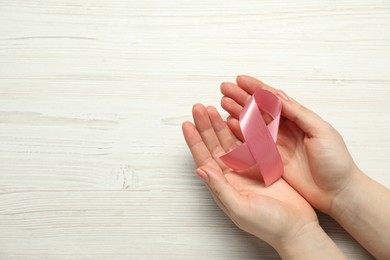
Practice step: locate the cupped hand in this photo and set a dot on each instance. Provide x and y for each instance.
(316, 161)
(275, 214)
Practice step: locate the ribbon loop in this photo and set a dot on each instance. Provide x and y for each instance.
(259, 147)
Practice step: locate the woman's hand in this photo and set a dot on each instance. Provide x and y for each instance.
(316, 161)
(277, 214)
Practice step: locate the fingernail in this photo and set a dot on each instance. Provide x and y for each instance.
(282, 94)
(202, 174)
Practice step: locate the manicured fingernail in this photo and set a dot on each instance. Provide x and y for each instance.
(202, 174)
(282, 94)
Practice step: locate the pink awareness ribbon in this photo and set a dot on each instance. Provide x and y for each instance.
(259, 147)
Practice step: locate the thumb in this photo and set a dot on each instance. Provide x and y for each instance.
(308, 121)
(226, 196)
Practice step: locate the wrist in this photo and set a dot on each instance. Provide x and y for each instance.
(310, 242)
(346, 199)
(362, 210)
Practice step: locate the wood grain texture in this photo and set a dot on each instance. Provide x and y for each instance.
(92, 95)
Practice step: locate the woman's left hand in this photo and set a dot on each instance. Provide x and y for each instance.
(277, 214)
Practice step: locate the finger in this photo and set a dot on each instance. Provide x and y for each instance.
(234, 109)
(234, 126)
(231, 106)
(235, 97)
(225, 136)
(234, 92)
(250, 84)
(308, 121)
(222, 190)
(206, 131)
(198, 149)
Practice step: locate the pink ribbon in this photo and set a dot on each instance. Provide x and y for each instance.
(260, 139)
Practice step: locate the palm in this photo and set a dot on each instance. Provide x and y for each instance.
(264, 208)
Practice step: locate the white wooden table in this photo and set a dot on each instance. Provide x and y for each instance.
(93, 164)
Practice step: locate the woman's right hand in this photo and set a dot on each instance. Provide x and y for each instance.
(316, 161)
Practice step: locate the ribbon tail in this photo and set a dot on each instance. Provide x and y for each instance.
(239, 159)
